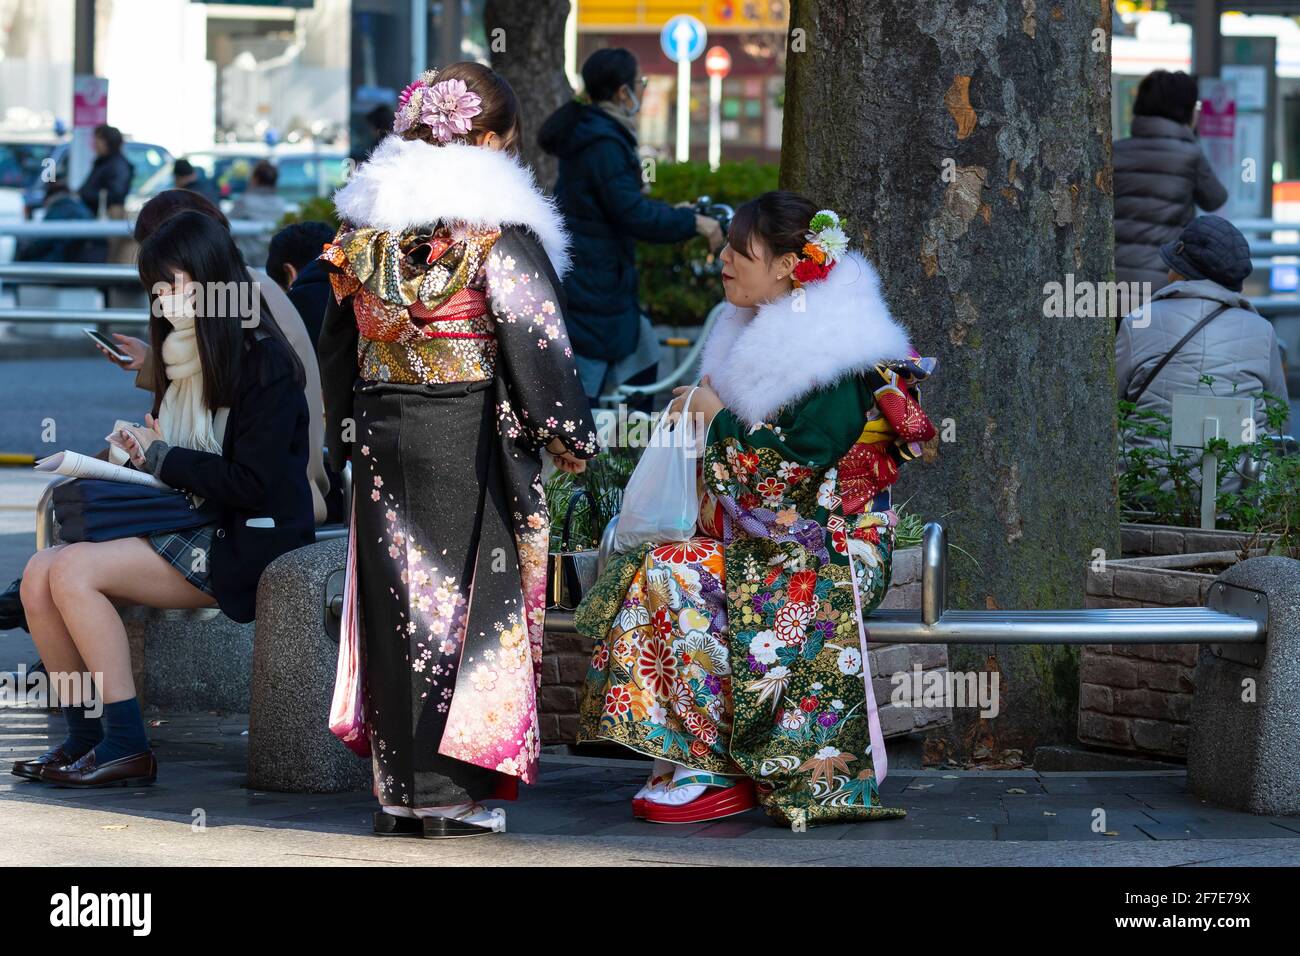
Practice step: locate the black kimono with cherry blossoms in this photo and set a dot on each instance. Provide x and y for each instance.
(445, 350)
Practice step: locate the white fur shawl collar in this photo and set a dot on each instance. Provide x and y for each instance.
(761, 360)
(408, 183)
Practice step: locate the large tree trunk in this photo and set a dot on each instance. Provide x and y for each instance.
(968, 145)
(526, 38)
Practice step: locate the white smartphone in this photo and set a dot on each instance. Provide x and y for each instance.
(108, 344)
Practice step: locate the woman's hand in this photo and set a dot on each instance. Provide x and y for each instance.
(704, 403)
(137, 349)
(135, 441)
(565, 459)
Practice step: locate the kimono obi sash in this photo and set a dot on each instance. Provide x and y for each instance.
(417, 345)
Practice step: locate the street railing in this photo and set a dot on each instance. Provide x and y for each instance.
(69, 273)
(106, 228)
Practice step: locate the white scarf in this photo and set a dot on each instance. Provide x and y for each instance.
(183, 418)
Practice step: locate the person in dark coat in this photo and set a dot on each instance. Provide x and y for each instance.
(293, 261)
(110, 177)
(185, 176)
(1161, 177)
(231, 432)
(61, 205)
(600, 192)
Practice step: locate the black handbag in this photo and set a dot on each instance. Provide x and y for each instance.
(92, 509)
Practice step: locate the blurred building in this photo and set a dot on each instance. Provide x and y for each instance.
(752, 31)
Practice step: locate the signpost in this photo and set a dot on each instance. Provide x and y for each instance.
(717, 63)
(89, 109)
(1198, 420)
(682, 39)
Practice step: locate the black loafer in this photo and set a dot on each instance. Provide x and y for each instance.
(387, 824)
(31, 769)
(445, 828)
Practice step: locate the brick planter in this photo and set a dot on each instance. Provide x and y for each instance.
(566, 656)
(1139, 698)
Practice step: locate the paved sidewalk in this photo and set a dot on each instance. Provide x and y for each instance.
(199, 813)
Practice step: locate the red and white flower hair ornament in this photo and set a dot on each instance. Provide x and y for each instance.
(826, 242)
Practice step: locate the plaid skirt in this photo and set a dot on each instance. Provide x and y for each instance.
(188, 552)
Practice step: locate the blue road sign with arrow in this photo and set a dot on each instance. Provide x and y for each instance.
(683, 32)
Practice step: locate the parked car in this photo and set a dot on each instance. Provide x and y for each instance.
(304, 173)
(145, 159)
(22, 159)
(310, 175)
(228, 167)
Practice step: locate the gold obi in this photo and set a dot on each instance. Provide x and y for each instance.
(416, 346)
(419, 318)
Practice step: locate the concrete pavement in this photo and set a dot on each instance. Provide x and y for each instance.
(200, 814)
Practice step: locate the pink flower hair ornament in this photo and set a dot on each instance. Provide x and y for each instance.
(446, 107)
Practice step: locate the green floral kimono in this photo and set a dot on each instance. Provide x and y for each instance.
(739, 651)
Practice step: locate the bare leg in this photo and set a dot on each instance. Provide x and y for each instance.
(87, 578)
(58, 651)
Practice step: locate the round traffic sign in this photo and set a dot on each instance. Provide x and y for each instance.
(717, 62)
(683, 37)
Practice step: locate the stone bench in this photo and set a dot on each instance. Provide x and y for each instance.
(290, 747)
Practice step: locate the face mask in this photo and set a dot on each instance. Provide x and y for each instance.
(636, 102)
(176, 306)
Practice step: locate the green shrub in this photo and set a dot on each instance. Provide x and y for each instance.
(679, 281)
(600, 493)
(319, 209)
(1161, 485)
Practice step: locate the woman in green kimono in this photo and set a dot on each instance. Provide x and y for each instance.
(737, 658)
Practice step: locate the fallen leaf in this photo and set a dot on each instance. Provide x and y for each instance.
(114, 826)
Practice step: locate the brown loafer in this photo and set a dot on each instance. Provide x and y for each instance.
(31, 769)
(134, 771)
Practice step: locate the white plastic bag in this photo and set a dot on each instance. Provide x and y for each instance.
(661, 502)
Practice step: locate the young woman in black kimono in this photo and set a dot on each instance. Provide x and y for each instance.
(447, 373)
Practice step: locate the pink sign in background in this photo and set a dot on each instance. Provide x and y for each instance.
(89, 101)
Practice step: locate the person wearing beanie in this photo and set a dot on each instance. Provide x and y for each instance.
(1237, 348)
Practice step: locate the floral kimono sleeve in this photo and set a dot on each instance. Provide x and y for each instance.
(546, 398)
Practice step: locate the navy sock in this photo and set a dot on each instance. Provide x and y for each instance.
(83, 732)
(124, 734)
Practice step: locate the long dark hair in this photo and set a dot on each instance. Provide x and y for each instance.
(197, 245)
(779, 219)
(171, 202)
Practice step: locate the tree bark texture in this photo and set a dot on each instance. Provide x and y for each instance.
(967, 142)
(526, 38)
